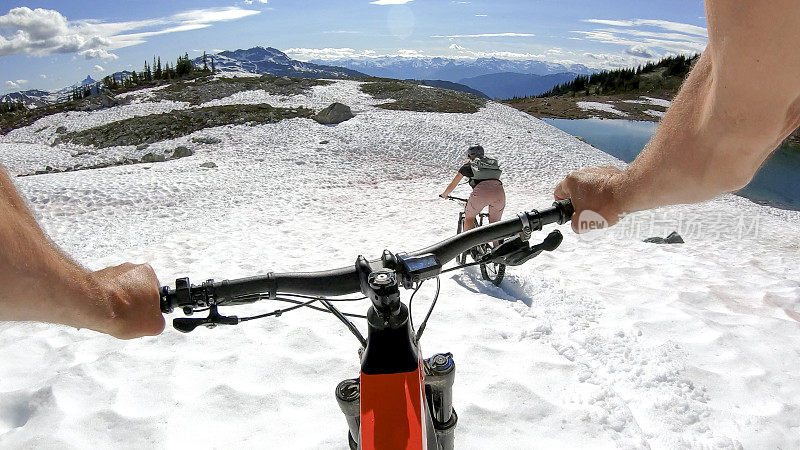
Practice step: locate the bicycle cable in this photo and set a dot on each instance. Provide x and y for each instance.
(411, 316)
(430, 310)
(462, 266)
(297, 303)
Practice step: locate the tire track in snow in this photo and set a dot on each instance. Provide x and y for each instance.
(631, 390)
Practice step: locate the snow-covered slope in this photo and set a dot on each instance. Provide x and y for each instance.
(606, 343)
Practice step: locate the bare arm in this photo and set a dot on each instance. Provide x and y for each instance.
(452, 185)
(40, 283)
(739, 102)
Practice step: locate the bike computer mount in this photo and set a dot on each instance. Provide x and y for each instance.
(418, 268)
(405, 270)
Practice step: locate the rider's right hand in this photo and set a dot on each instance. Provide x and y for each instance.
(444, 196)
(593, 189)
(130, 293)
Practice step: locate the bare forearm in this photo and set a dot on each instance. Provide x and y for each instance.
(39, 281)
(680, 164)
(453, 184)
(727, 118)
(739, 102)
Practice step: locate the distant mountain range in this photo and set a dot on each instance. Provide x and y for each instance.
(494, 77)
(270, 60)
(485, 77)
(256, 60)
(34, 98)
(507, 85)
(452, 86)
(450, 69)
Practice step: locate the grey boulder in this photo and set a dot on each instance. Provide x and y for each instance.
(182, 152)
(335, 113)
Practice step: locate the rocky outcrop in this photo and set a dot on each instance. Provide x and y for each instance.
(182, 152)
(159, 127)
(97, 102)
(333, 114)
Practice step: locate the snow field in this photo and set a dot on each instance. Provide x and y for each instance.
(599, 106)
(607, 342)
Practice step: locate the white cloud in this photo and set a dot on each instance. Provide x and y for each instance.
(98, 53)
(44, 77)
(409, 53)
(16, 83)
(683, 28)
(305, 54)
(645, 38)
(481, 15)
(473, 54)
(42, 32)
(390, 2)
(98, 68)
(485, 35)
(250, 2)
(640, 50)
(456, 51)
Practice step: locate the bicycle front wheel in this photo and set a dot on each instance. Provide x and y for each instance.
(490, 271)
(493, 272)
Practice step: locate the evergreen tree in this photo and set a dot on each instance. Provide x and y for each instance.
(159, 73)
(184, 66)
(205, 65)
(147, 76)
(213, 69)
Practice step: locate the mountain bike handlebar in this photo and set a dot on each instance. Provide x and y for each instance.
(346, 280)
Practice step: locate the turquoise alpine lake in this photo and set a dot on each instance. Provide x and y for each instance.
(777, 183)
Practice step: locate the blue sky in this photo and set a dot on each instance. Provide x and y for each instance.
(52, 44)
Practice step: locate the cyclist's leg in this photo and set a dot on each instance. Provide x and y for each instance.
(475, 204)
(497, 202)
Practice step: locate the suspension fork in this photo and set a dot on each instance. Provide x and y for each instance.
(400, 401)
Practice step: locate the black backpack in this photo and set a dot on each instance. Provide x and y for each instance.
(485, 168)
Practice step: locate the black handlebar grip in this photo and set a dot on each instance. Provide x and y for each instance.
(567, 208)
(167, 300)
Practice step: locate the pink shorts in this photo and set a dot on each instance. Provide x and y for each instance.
(487, 193)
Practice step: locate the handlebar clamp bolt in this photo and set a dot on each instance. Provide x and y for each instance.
(382, 279)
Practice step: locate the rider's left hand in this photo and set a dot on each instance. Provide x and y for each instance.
(444, 196)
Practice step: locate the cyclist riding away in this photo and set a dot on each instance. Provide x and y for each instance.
(487, 189)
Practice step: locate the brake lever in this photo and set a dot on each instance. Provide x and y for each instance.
(187, 324)
(516, 251)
